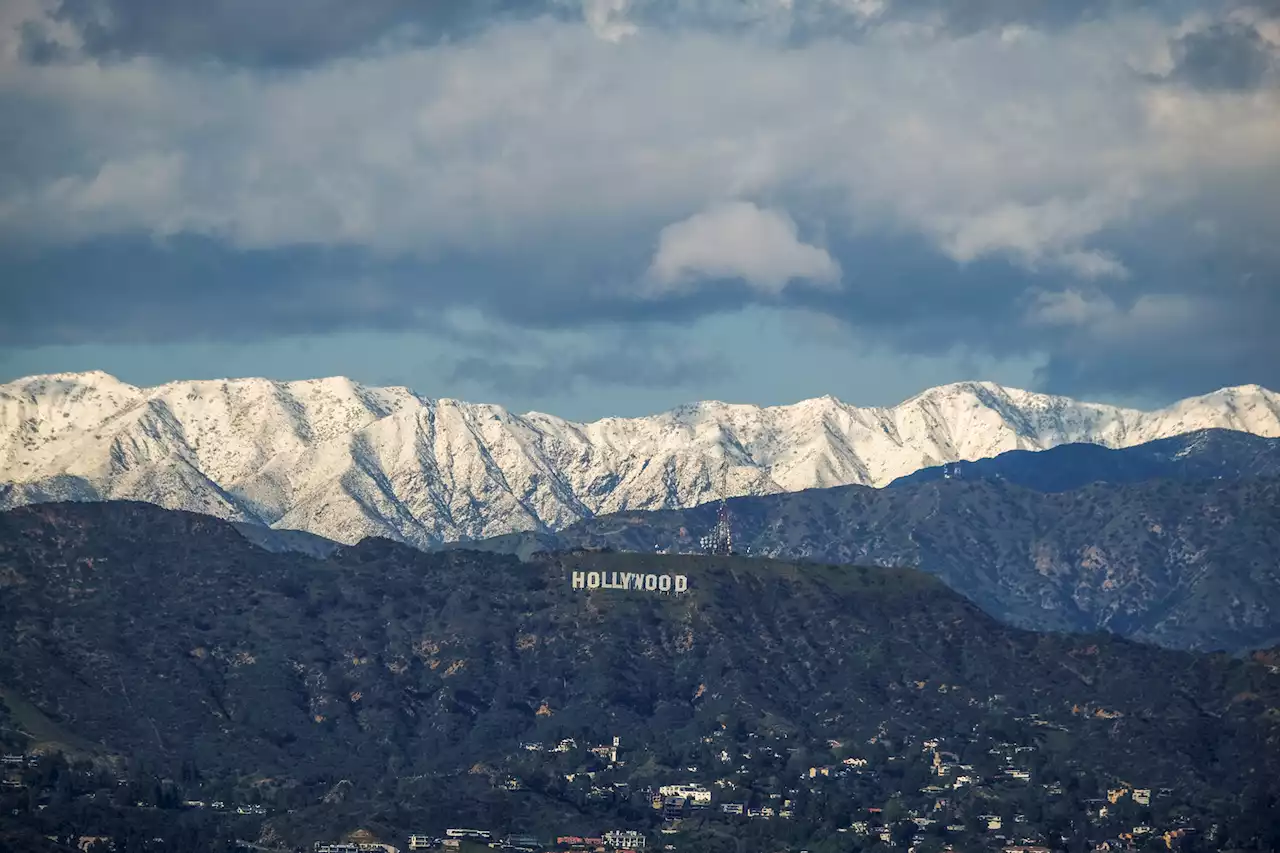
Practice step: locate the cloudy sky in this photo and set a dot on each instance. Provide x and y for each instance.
(596, 207)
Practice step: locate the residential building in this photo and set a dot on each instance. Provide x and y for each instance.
(624, 839)
(694, 793)
(608, 751)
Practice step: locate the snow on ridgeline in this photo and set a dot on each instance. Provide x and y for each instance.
(347, 461)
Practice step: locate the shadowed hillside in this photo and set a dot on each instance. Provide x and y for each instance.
(1207, 454)
(1182, 564)
(167, 638)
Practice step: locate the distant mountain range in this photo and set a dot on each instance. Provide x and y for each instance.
(1192, 564)
(394, 684)
(1210, 454)
(346, 461)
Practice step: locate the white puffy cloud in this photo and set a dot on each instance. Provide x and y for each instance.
(1051, 231)
(1149, 315)
(739, 240)
(607, 19)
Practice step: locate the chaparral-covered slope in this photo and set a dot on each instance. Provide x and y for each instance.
(1207, 454)
(169, 640)
(1191, 564)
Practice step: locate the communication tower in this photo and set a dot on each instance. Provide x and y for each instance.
(720, 540)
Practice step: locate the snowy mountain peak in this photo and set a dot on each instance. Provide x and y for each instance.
(67, 383)
(84, 377)
(346, 460)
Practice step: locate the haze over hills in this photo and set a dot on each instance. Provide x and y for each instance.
(1184, 564)
(346, 461)
(165, 640)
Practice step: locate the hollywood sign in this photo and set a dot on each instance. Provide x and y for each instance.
(630, 580)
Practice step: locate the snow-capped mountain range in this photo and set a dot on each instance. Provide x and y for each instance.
(347, 461)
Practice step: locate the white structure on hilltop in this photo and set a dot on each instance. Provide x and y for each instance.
(608, 751)
(624, 839)
(720, 540)
(693, 792)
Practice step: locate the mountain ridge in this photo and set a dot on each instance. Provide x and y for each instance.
(412, 682)
(1180, 564)
(345, 461)
(1206, 454)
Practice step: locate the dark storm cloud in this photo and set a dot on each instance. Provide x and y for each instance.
(252, 32)
(969, 17)
(302, 32)
(1198, 310)
(181, 290)
(38, 48)
(808, 19)
(1224, 56)
(1198, 314)
(1202, 346)
(138, 290)
(143, 290)
(629, 358)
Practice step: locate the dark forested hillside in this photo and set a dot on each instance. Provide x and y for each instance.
(1182, 564)
(393, 687)
(1206, 454)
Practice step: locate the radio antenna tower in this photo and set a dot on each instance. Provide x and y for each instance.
(720, 541)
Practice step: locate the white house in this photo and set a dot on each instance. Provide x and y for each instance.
(624, 839)
(694, 793)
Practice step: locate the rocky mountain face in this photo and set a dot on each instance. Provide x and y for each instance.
(1209, 454)
(1189, 564)
(167, 638)
(346, 461)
